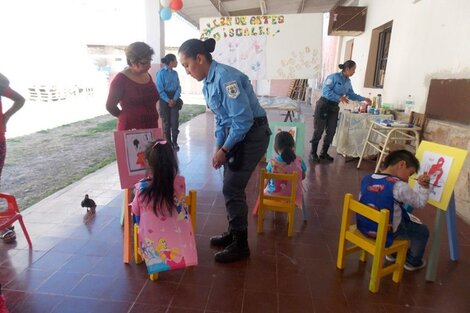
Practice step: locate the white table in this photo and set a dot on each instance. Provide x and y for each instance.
(380, 136)
(352, 131)
(281, 104)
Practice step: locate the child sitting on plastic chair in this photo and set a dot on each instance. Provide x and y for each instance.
(286, 162)
(389, 189)
(166, 237)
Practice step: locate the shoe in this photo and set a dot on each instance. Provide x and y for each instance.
(390, 258)
(412, 268)
(221, 240)
(314, 157)
(9, 235)
(326, 156)
(238, 250)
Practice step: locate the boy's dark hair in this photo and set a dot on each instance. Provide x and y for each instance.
(402, 155)
(285, 142)
(163, 165)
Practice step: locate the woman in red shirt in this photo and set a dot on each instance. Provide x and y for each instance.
(134, 90)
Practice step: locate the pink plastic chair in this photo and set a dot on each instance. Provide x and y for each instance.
(12, 214)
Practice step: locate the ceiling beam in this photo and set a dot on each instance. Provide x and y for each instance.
(219, 6)
(188, 19)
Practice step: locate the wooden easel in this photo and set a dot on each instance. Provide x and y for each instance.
(450, 216)
(126, 221)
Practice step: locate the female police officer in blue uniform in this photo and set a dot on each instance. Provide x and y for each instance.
(242, 137)
(337, 88)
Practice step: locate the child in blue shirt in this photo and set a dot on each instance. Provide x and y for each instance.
(390, 190)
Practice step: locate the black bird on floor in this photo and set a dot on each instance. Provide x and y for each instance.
(89, 204)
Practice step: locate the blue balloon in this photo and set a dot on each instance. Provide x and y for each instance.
(165, 14)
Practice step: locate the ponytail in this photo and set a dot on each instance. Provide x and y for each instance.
(285, 143)
(192, 47)
(347, 64)
(170, 57)
(288, 155)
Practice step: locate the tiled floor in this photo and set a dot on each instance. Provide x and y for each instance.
(76, 262)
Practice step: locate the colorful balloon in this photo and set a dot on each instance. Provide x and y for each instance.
(165, 3)
(176, 5)
(165, 14)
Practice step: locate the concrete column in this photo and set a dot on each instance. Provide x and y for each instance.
(154, 32)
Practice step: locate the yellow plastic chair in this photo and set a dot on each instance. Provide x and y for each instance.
(277, 203)
(375, 247)
(191, 200)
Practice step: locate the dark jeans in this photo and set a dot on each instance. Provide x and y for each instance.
(325, 119)
(418, 235)
(254, 147)
(170, 119)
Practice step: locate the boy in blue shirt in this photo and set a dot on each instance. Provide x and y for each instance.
(390, 190)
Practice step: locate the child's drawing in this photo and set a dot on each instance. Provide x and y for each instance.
(438, 167)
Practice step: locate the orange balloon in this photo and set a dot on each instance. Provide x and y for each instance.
(176, 5)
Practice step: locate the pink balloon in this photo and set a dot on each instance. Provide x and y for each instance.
(176, 5)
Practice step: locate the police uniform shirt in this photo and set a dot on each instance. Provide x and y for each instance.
(337, 85)
(168, 81)
(229, 94)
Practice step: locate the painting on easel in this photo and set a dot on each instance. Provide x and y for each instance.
(297, 131)
(443, 164)
(130, 148)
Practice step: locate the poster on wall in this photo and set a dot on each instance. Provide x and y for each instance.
(268, 46)
(130, 148)
(443, 164)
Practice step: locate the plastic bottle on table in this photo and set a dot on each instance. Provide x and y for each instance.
(379, 101)
(409, 104)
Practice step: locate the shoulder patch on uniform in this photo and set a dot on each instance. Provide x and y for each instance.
(328, 81)
(232, 89)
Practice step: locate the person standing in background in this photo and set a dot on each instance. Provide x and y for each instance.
(169, 88)
(8, 235)
(134, 91)
(337, 88)
(242, 136)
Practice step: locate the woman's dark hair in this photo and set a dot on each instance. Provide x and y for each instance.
(138, 51)
(170, 57)
(163, 165)
(347, 64)
(402, 155)
(285, 143)
(192, 47)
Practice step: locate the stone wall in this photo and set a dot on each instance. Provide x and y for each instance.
(458, 136)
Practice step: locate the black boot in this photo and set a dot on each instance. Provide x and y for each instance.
(222, 240)
(324, 154)
(238, 250)
(313, 154)
(314, 157)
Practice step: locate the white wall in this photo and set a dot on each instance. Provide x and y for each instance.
(430, 39)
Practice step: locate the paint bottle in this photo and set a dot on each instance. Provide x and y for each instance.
(379, 101)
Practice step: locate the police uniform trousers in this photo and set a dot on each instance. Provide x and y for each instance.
(254, 146)
(170, 119)
(325, 120)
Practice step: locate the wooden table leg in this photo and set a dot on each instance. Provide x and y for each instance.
(127, 226)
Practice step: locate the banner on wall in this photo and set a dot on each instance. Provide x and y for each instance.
(268, 46)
